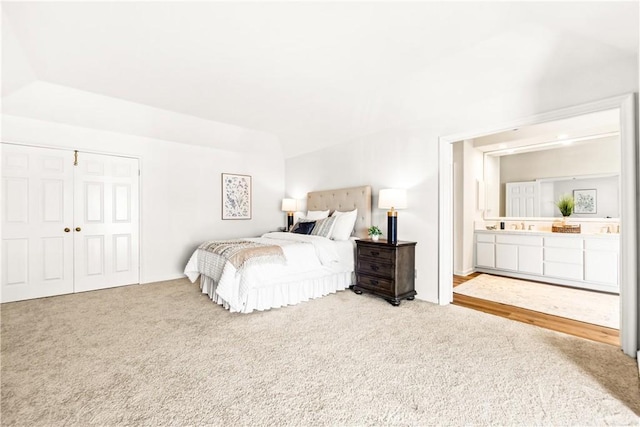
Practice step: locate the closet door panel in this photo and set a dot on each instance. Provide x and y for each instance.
(37, 207)
(107, 217)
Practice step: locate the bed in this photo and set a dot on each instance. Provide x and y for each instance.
(284, 268)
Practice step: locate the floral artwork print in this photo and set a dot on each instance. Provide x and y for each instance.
(585, 201)
(236, 196)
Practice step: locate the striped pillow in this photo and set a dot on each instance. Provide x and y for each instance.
(324, 227)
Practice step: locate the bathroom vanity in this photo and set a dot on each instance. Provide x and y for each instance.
(589, 261)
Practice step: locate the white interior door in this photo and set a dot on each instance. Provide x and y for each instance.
(106, 230)
(522, 199)
(37, 208)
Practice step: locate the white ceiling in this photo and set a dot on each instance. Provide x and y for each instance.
(312, 74)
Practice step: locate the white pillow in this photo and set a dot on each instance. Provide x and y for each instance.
(316, 215)
(345, 221)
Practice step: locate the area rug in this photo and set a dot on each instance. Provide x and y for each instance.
(578, 304)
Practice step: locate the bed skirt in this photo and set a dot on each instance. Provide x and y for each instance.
(280, 295)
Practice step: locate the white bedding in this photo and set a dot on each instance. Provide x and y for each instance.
(314, 266)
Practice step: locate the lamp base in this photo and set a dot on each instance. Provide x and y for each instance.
(392, 227)
(289, 221)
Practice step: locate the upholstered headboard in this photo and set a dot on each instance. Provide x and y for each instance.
(345, 199)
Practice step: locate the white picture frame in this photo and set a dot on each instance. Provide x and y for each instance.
(236, 196)
(585, 201)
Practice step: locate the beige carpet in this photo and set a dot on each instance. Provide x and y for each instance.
(586, 306)
(164, 354)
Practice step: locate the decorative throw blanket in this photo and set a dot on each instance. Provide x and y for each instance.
(238, 252)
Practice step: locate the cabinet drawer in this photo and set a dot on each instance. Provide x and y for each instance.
(563, 270)
(375, 283)
(571, 256)
(375, 267)
(612, 245)
(375, 252)
(486, 238)
(519, 240)
(563, 242)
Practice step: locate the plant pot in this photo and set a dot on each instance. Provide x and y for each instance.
(375, 237)
(565, 219)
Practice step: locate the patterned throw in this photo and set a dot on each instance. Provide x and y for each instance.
(238, 252)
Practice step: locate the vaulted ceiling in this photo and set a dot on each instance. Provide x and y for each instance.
(311, 74)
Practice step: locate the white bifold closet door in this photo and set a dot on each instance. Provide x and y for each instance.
(67, 228)
(105, 222)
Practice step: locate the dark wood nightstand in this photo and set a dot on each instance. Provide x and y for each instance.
(386, 270)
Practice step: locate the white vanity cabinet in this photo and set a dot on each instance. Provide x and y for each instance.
(585, 261)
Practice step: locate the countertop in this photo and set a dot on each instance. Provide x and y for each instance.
(549, 233)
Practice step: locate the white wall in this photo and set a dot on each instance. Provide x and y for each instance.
(407, 156)
(180, 188)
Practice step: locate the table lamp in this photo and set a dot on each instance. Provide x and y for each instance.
(289, 206)
(392, 199)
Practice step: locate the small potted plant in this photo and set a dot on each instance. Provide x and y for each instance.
(374, 232)
(565, 205)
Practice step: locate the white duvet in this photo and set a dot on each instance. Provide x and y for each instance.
(306, 256)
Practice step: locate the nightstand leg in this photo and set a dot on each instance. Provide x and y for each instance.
(357, 291)
(411, 298)
(394, 302)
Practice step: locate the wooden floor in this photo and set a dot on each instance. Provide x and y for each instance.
(548, 321)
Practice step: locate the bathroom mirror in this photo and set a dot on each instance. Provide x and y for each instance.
(526, 170)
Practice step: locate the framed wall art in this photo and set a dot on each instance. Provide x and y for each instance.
(584, 201)
(236, 196)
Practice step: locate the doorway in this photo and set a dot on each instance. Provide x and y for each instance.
(628, 211)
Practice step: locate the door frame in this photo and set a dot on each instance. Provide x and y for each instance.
(629, 328)
(106, 153)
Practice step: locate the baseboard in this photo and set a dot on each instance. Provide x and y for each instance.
(463, 273)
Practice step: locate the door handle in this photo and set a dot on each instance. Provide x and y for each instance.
(66, 230)
(78, 229)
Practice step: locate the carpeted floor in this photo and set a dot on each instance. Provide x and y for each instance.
(164, 354)
(579, 304)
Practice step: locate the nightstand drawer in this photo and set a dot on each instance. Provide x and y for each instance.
(375, 267)
(375, 283)
(376, 252)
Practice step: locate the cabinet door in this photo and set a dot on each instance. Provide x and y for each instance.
(485, 255)
(507, 257)
(530, 259)
(601, 267)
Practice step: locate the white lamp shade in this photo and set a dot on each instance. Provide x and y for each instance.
(289, 205)
(392, 198)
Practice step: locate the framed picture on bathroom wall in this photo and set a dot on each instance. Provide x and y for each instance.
(585, 201)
